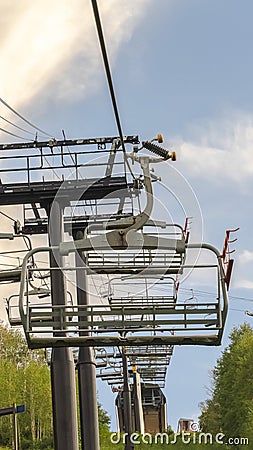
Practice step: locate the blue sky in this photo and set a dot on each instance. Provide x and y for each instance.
(180, 67)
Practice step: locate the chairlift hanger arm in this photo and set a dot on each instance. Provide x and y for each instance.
(144, 161)
(137, 222)
(123, 238)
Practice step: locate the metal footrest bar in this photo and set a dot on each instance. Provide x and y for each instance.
(107, 341)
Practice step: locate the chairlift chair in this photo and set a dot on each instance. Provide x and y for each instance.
(129, 324)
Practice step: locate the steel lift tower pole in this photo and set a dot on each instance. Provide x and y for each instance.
(86, 366)
(127, 403)
(62, 362)
(138, 409)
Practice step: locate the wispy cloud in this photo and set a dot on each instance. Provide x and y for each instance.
(222, 151)
(243, 270)
(244, 284)
(47, 43)
(245, 257)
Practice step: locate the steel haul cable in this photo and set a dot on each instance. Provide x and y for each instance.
(109, 79)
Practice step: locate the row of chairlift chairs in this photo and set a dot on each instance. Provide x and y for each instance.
(141, 308)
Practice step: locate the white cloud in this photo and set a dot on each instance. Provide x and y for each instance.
(246, 284)
(245, 257)
(55, 43)
(243, 270)
(222, 151)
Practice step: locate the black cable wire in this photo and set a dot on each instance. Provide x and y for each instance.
(213, 294)
(23, 118)
(16, 126)
(238, 310)
(107, 69)
(12, 134)
(6, 215)
(245, 299)
(29, 123)
(109, 78)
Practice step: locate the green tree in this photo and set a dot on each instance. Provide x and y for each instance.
(230, 408)
(24, 379)
(104, 423)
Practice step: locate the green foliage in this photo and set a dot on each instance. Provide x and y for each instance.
(230, 409)
(104, 419)
(104, 423)
(25, 379)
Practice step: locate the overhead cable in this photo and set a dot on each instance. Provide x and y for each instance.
(29, 123)
(6, 215)
(107, 69)
(23, 118)
(213, 294)
(109, 77)
(12, 134)
(16, 126)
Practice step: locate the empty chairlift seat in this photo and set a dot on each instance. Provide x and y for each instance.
(148, 321)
